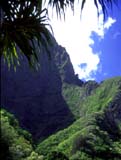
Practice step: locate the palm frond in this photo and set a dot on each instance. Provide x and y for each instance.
(61, 5)
(22, 22)
(22, 25)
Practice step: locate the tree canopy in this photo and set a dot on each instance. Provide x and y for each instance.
(24, 22)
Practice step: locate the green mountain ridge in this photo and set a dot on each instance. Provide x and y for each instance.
(68, 119)
(94, 135)
(97, 133)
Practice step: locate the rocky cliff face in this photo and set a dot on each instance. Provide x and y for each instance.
(65, 68)
(35, 96)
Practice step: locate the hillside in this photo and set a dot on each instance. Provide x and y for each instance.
(59, 117)
(96, 134)
(35, 97)
(15, 143)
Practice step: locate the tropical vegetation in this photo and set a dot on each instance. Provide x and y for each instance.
(23, 24)
(94, 135)
(16, 143)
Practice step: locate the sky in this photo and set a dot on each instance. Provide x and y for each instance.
(94, 47)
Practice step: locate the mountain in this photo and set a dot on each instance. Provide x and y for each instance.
(68, 119)
(96, 134)
(35, 96)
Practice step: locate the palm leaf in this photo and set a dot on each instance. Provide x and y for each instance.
(23, 22)
(60, 5)
(21, 27)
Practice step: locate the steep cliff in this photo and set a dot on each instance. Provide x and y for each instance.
(82, 119)
(94, 135)
(35, 97)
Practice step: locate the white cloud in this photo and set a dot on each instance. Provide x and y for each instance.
(75, 35)
(109, 23)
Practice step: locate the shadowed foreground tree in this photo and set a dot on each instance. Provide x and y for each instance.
(24, 22)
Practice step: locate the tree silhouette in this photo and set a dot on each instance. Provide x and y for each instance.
(24, 22)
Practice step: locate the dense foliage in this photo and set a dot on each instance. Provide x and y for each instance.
(97, 133)
(16, 144)
(24, 22)
(74, 95)
(22, 25)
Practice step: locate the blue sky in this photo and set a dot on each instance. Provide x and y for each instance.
(109, 48)
(94, 47)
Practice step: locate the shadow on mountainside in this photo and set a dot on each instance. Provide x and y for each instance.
(35, 98)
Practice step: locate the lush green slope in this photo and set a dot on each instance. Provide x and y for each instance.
(97, 133)
(74, 95)
(15, 142)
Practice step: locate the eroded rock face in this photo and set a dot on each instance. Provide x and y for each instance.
(35, 96)
(63, 63)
